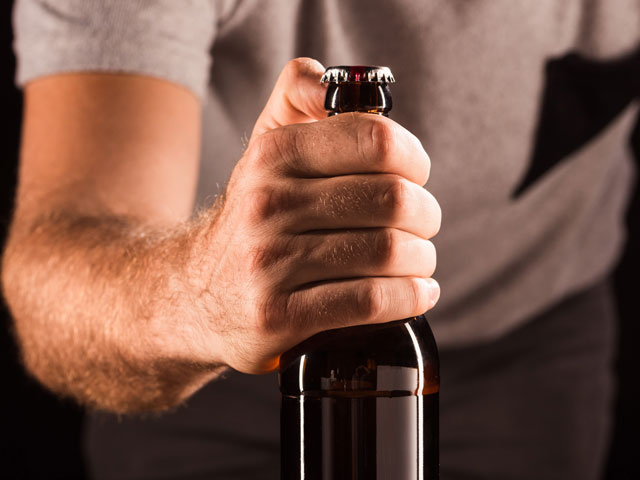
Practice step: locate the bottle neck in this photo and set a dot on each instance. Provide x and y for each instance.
(367, 97)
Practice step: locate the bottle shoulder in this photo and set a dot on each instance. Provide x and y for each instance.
(394, 359)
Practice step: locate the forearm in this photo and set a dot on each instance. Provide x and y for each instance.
(108, 311)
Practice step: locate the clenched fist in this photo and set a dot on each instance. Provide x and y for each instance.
(324, 224)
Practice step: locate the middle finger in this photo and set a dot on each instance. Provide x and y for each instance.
(362, 201)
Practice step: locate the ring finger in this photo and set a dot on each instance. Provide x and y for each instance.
(378, 252)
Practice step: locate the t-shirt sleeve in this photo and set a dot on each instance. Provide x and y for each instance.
(609, 28)
(167, 39)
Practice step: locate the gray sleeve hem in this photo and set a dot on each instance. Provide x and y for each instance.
(173, 66)
(164, 39)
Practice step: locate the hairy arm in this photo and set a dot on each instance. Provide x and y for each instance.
(125, 303)
(95, 265)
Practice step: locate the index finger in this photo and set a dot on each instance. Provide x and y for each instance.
(345, 144)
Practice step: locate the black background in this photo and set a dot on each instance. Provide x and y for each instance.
(40, 434)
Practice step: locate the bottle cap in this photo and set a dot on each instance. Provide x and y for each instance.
(357, 73)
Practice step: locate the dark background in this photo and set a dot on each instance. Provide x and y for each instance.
(40, 434)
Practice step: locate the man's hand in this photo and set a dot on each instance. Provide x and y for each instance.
(123, 302)
(324, 224)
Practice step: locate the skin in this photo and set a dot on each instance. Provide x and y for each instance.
(126, 302)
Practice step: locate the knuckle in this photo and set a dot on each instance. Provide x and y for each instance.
(377, 141)
(371, 299)
(384, 247)
(261, 257)
(279, 140)
(270, 200)
(383, 141)
(418, 300)
(395, 197)
(258, 258)
(272, 317)
(296, 139)
(274, 148)
(262, 149)
(262, 203)
(277, 252)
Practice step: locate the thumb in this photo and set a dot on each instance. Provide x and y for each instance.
(298, 97)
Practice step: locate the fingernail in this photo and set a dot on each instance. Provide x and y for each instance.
(434, 291)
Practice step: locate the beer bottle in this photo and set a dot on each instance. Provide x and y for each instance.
(361, 402)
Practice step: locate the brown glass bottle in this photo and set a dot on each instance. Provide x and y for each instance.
(361, 402)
